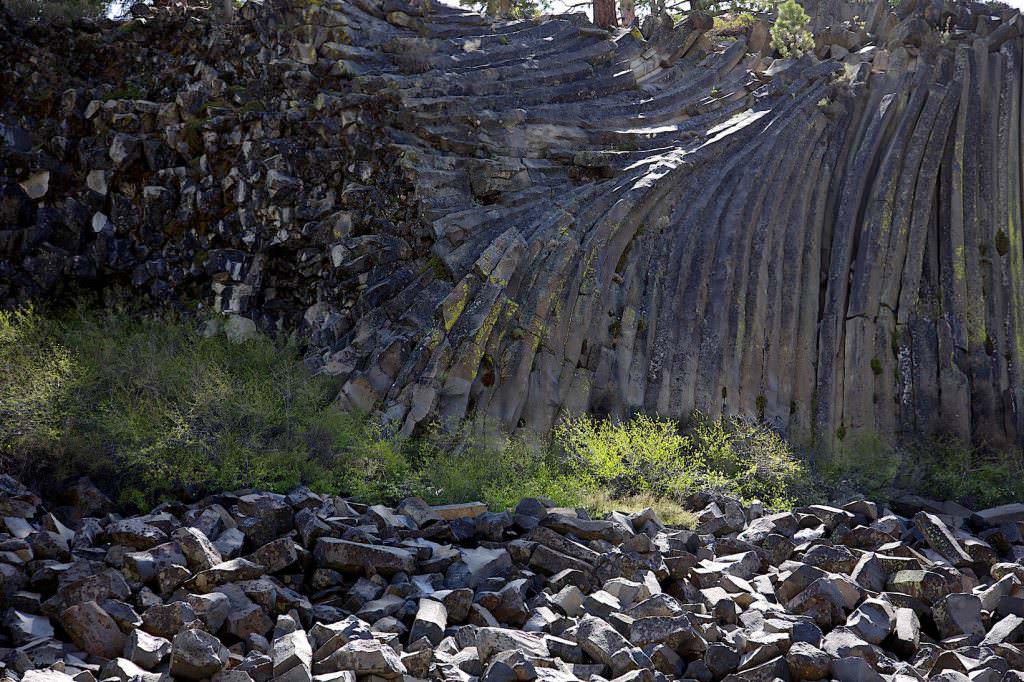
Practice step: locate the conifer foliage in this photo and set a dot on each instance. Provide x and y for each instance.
(789, 33)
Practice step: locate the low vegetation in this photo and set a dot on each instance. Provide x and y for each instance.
(733, 24)
(48, 10)
(154, 409)
(158, 410)
(941, 469)
(648, 456)
(978, 478)
(789, 33)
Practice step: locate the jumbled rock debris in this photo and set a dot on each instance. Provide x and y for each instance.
(254, 586)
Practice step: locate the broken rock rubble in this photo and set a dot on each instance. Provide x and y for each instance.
(254, 586)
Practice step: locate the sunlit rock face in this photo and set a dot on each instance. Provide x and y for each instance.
(525, 218)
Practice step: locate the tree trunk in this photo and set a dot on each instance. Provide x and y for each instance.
(604, 13)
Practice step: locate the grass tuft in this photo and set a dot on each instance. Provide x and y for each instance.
(669, 512)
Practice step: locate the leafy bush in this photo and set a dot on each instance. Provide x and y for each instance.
(733, 24)
(648, 456)
(946, 469)
(153, 409)
(789, 32)
(35, 374)
(861, 465)
(942, 469)
(746, 459)
(636, 456)
(476, 460)
(157, 410)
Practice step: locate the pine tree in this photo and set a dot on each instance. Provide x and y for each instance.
(789, 33)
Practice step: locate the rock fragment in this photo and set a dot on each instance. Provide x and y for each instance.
(196, 655)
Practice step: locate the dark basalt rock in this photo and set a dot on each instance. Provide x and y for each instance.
(649, 601)
(521, 218)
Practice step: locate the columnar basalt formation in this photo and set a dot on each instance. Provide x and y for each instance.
(525, 218)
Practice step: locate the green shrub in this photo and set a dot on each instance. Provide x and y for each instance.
(631, 457)
(949, 470)
(35, 373)
(861, 465)
(184, 413)
(477, 460)
(942, 469)
(789, 32)
(746, 459)
(648, 456)
(156, 410)
(733, 24)
(153, 409)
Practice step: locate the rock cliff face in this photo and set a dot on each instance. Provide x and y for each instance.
(523, 218)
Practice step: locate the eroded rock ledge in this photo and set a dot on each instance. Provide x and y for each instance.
(252, 586)
(523, 218)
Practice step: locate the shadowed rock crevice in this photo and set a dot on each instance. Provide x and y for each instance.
(524, 218)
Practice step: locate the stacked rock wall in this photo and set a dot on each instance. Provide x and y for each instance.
(524, 218)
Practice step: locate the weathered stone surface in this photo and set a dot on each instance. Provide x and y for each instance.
(134, 533)
(124, 670)
(276, 555)
(93, 630)
(873, 620)
(292, 650)
(25, 627)
(430, 622)
(491, 640)
(165, 620)
(807, 662)
(467, 510)
(941, 539)
(229, 571)
(995, 516)
(196, 655)
(600, 641)
(212, 609)
(197, 548)
(1009, 629)
(363, 657)
(145, 650)
(958, 614)
(247, 619)
(353, 557)
(906, 632)
(48, 675)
